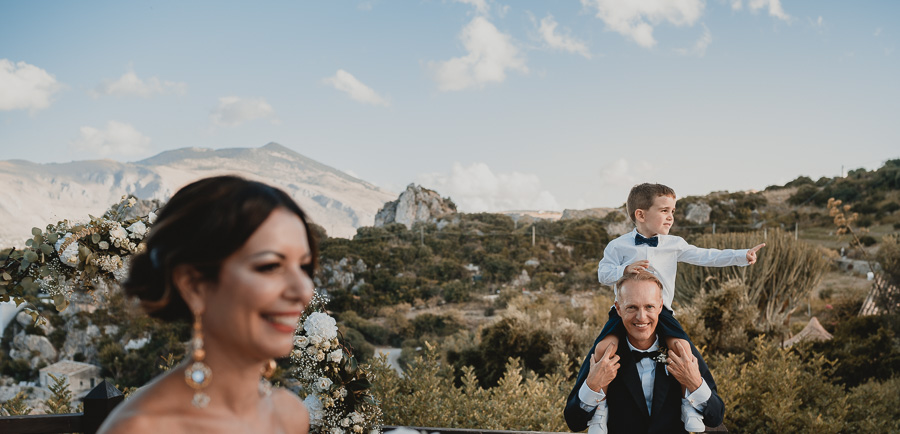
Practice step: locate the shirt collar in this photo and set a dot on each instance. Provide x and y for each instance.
(653, 347)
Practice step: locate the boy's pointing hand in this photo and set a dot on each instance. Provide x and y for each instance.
(751, 254)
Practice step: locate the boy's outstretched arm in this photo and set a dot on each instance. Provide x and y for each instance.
(751, 254)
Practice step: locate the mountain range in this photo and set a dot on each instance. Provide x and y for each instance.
(34, 195)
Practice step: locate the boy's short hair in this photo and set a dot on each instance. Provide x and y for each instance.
(643, 195)
(639, 276)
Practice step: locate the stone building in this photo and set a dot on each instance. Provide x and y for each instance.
(82, 377)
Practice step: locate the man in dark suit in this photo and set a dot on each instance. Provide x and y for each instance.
(628, 389)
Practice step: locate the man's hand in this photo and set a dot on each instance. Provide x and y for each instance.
(638, 266)
(751, 254)
(603, 369)
(685, 369)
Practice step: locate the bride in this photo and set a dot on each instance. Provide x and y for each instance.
(235, 258)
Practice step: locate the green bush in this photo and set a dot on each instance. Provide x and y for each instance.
(722, 320)
(865, 348)
(776, 390)
(874, 407)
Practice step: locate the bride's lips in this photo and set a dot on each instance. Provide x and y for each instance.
(285, 322)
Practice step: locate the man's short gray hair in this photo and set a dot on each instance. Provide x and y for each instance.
(638, 277)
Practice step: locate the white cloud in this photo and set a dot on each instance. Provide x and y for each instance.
(233, 111)
(737, 5)
(481, 6)
(636, 18)
(129, 84)
(773, 6)
(819, 21)
(561, 41)
(491, 54)
(346, 82)
(877, 32)
(25, 87)
(117, 139)
(365, 6)
(478, 189)
(699, 48)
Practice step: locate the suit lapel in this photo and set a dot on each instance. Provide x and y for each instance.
(660, 388)
(631, 378)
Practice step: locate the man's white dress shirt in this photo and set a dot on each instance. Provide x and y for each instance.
(664, 259)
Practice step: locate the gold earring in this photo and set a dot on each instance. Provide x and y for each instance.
(198, 375)
(265, 387)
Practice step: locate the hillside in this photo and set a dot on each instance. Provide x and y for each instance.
(38, 194)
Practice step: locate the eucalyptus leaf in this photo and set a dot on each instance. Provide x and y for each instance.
(29, 242)
(38, 239)
(46, 248)
(36, 231)
(30, 256)
(6, 276)
(95, 238)
(53, 237)
(62, 306)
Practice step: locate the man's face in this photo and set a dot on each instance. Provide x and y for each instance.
(639, 305)
(658, 219)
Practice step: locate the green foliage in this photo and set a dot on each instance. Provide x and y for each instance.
(865, 348)
(15, 406)
(778, 390)
(61, 400)
(722, 320)
(874, 407)
(518, 402)
(784, 274)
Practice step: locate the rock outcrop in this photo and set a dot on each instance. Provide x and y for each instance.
(415, 204)
(697, 213)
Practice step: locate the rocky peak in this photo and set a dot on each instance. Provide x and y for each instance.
(415, 204)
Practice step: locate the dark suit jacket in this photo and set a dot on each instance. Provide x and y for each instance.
(627, 406)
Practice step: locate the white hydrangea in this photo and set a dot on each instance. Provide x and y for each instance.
(138, 229)
(356, 417)
(320, 327)
(70, 255)
(151, 218)
(335, 356)
(315, 408)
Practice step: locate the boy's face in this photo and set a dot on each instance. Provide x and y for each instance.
(658, 219)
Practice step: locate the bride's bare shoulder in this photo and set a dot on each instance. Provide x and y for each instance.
(291, 410)
(145, 411)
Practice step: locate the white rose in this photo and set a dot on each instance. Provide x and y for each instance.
(320, 356)
(138, 229)
(70, 255)
(323, 383)
(151, 218)
(312, 351)
(103, 245)
(131, 202)
(301, 341)
(357, 417)
(345, 422)
(118, 233)
(357, 429)
(335, 356)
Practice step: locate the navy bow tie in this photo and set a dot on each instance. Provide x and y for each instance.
(638, 355)
(639, 239)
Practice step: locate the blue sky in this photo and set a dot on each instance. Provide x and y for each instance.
(500, 105)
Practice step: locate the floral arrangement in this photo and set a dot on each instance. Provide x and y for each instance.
(336, 387)
(73, 255)
(662, 355)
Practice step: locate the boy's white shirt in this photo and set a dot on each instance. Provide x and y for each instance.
(664, 259)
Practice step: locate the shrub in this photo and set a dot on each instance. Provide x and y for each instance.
(776, 390)
(721, 320)
(865, 348)
(518, 402)
(866, 240)
(785, 273)
(874, 407)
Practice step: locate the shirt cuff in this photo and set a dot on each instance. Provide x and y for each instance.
(699, 397)
(590, 399)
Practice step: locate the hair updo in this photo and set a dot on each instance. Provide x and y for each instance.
(201, 225)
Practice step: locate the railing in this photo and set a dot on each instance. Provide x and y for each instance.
(101, 400)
